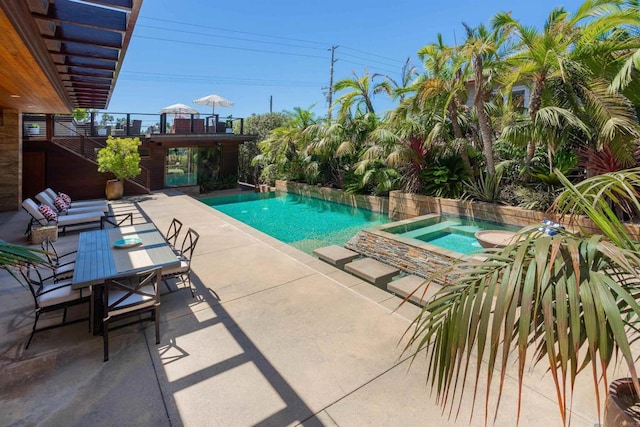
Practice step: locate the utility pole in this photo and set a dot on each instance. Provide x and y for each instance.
(333, 61)
(271, 103)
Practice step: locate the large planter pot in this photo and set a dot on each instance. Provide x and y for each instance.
(623, 405)
(114, 189)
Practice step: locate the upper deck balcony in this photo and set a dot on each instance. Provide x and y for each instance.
(103, 124)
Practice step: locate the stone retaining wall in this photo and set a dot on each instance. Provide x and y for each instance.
(372, 203)
(405, 205)
(408, 255)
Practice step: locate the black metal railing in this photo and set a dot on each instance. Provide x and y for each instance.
(103, 123)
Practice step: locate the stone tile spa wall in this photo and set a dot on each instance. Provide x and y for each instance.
(408, 255)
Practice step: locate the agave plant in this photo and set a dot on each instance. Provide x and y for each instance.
(568, 300)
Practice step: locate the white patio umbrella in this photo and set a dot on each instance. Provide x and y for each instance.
(179, 109)
(214, 101)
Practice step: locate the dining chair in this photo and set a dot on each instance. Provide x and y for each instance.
(131, 295)
(61, 268)
(51, 296)
(173, 233)
(183, 271)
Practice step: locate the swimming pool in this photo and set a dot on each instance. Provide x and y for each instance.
(303, 222)
(453, 233)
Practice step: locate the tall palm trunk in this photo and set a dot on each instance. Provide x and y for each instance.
(457, 133)
(534, 106)
(483, 117)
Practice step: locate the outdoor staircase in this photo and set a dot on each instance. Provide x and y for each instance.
(87, 148)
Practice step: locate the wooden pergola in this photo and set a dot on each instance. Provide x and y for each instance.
(60, 54)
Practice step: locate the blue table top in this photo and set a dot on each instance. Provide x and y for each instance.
(98, 260)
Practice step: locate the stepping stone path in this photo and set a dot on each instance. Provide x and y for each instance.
(372, 271)
(336, 255)
(408, 284)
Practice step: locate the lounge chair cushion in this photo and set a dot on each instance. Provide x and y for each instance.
(76, 219)
(60, 204)
(32, 208)
(48, 213)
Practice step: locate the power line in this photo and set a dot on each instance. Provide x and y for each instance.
(231, 47)
(373, 54)
(234, 31)
(366, 65)
(229, 37)
(369, 60)
(179, 78)
(269, 36)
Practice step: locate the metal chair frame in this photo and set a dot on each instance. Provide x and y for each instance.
(36, 287)
(115, 305)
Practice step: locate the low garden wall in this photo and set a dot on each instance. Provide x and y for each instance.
(400, 205)
(372, 203)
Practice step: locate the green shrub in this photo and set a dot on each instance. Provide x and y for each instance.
(120, 157)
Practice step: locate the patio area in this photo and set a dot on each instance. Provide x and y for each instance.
(273, 337)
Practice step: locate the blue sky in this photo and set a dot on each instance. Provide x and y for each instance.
(248, 51)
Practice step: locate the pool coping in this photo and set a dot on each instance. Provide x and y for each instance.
(384, 298)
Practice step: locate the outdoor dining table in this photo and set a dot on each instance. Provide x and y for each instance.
(98, 259)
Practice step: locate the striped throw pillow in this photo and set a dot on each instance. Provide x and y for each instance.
(60, 204)
(48, 213)
(66, 198)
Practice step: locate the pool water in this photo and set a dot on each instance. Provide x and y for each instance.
(303, 222)
(455, 234)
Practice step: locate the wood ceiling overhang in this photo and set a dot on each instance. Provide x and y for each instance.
(79, 45)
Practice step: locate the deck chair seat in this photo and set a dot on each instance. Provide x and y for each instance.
(49, 297)
(58, 293)
(131, 295)
(83, 203)
(75, 208)
(178, 269)
(63, 220)
(84, 218)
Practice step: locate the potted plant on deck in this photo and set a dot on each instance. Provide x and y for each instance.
(121, 158)
(569, 300)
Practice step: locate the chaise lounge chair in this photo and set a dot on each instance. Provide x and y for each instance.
(63, 221)
(44, 198)
(77, 204)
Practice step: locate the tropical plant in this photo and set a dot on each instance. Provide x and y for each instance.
(393, 88)
(120, 157)
(485, 187)
(568, 299)
(15, 255)
(482, 50)
(360, 97)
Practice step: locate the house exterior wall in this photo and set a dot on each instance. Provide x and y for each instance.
(10, 160)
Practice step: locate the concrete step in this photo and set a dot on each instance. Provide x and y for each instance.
(372, 271)
(336, 255)
(408, 284)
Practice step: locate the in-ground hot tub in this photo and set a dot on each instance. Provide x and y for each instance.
(426, 244)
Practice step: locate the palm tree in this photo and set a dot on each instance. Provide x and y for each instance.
(569, 300)
(442, 87)
(283, 151)
(360, 96)
(394, 89)
(481, 49)
(567, 42)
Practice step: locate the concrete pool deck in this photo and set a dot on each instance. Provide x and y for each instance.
(273, 337)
